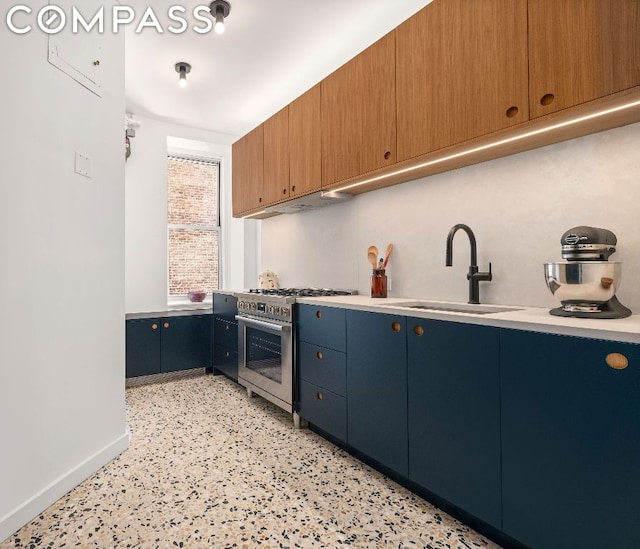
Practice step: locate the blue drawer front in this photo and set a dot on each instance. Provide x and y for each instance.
(323, 367)
(226, 361)
(323, 409)
(225, 333)
(324, 326)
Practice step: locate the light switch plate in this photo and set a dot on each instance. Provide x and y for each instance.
(83, 164)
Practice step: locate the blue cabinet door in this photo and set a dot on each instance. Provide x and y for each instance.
(454, 414)
(377, 387)
(186, 343)
(571, 441)
(142, 347)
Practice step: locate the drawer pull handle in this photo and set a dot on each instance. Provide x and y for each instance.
(319, 395)
(319, 355)
(166, 324)
(617, 361)
(395, 326)
(226, 327)
(318, 314)
(418, 330)
(512, 111)
(154, 326)
(227, 354)
(387, 155)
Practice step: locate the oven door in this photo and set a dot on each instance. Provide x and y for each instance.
(265, 359)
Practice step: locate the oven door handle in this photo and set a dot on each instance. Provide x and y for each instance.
(262, 324)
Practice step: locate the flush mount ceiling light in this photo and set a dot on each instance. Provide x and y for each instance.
(183, 69)
(219, 9)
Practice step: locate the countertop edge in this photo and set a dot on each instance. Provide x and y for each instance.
(533, 319)
(190, 311)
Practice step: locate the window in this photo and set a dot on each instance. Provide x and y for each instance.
(193, 219)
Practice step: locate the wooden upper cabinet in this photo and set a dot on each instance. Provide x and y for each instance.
(276, 157)
(305, 145)
(247, 172)
(461, 72)
(581, 50)
(359, 114)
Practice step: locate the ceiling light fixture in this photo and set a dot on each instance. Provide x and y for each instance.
(183, 69)
(219, 9)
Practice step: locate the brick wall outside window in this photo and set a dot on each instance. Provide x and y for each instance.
(193, 226)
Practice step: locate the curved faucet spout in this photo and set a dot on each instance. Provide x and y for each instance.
(472, 241)
(473, 276)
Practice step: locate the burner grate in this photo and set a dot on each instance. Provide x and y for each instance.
(300, 292)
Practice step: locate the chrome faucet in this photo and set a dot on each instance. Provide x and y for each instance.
(473, 276)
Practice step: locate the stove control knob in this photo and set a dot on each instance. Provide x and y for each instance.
(240, 305)
(277, 310)
(270, 309)
(285, 311)
(253, 306)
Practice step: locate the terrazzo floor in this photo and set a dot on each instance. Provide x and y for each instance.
(210, 468)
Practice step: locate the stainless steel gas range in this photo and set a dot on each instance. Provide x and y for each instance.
(266, 342)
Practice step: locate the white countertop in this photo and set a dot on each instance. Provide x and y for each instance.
(183, 309)
(519, 318)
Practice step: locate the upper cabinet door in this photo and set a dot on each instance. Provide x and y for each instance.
(247, 156)
(461, 73)
(581, 50)
(276, 157)
(359, 115)
(305, 146)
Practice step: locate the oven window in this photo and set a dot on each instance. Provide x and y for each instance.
(264, 352)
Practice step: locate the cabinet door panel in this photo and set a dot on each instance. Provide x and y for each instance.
(247, 158)
(276, 157)
(142, 347)
(305, 144)
(460, 67)
(377, 387)
(359, 114)
(186, 343)
(454, 414)
(571, 442)
(581, 50)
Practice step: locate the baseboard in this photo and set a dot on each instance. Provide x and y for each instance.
(31, 508)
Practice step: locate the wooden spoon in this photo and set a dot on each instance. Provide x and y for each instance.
(372, 252)
(387, 253)
(373, 259)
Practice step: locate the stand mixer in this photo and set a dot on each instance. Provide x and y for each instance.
(586, 281)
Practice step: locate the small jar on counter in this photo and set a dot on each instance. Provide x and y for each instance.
(378, 283)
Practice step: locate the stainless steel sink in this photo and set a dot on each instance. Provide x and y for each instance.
(454, 307)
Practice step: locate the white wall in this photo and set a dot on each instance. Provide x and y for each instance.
(518, 208)
(146, 212)
(62, 381)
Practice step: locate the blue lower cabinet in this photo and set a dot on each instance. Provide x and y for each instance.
(454, 414)
(168, 344)
(377, 387)
(142, 347)
(571, 441)
(226, 361)
(324, 409)
(185, 343)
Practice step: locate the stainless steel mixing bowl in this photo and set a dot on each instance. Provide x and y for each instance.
(588, 282)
